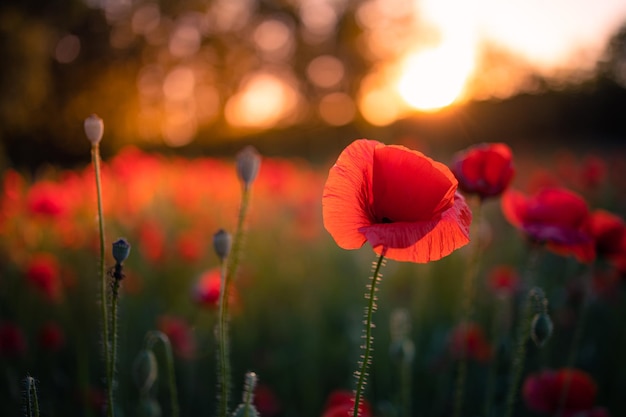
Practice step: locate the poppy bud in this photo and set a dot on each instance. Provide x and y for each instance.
(541, 329)
(248, 163)
(222, 242)
(121, 250)
(94, 128)
(145, 370)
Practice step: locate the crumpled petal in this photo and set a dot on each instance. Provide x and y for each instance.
(422, 242)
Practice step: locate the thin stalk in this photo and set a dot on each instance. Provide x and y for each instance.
(491, 377)
(229, 271)
(169, 363)
(406, 381)
(114, 304)
(369, 340)
(95, 157)
(224, 362)
(32, 402)
(523, 332)
(467, 311)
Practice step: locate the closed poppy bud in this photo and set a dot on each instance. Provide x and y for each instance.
(248, 163)
(222, 242)
(94, 128)
(121, 250)
(145, 370)
(485, 169)
(541, 329)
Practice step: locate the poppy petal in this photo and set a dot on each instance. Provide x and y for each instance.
(408, 186)
(423, 242)
(345, 199)
(514, 206)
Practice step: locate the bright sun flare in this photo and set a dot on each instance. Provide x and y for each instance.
(434, 78)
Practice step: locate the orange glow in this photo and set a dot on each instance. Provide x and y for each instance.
(264, 100)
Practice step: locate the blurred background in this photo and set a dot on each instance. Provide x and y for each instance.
(306, 77)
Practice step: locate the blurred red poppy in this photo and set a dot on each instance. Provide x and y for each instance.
(43, 272)
(12, 340)
(340, 403)
(399, 200)
(543, 391)
(503, 279)
(485, 169)
(180, 335)
(554, 216)
(468, 341)
(51, 337)
(266, 401)
(609, 233)
(207, 290)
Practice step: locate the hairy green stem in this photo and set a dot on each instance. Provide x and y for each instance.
(114, 304)
(169, 363)
(95, 157)
(467, 310)
(361, 374)
(229, 271)
(224, 360)
(32, 402)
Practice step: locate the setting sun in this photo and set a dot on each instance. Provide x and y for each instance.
(434, 78)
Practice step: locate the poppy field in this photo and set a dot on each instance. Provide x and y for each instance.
(387, 282)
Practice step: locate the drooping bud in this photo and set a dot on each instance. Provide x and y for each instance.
(94, 128)
(121, 250)
(248, 164)
(145, 370)
(541, 329)
(222, 242)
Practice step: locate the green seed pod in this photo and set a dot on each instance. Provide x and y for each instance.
(145, 370)
(121, 250)
(94, 128)
(248, 163)
(222, 242)
(541, 329)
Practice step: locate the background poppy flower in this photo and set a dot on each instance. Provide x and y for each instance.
(341, 403)
(485, 169)
(543, 391)
(468, 340)
(609, 233)
(398, 200)
(555, 216)
(43, 273)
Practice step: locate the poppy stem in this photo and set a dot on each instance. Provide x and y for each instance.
(523, 332)
(467, 311)
(115, 292)
(223, 357)
(32, 402)
(95, 157)
(361, 374)
(229, 269)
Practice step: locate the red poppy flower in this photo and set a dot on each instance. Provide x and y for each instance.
(180, 335)
(555, 216)
(43, 272)
(12, 340)
(485, 169)
(398, 200)
(51, 337)
(543, 391)
(208, 288)
(503, 279)
(340, 403)
(608, 232)
(266, 401)
(468, 341)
